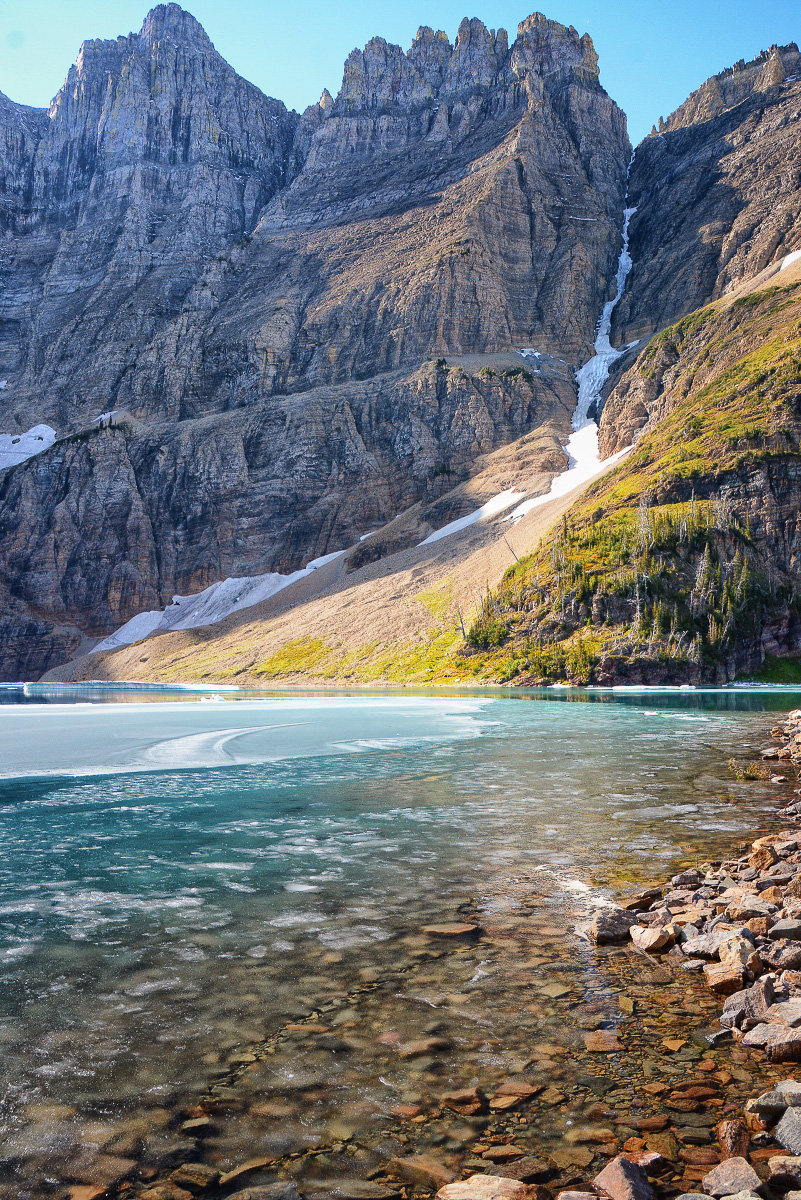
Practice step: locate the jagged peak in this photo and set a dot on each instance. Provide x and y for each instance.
(172, 21)
(733, 85)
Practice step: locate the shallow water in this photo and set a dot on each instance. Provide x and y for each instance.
(181, 881)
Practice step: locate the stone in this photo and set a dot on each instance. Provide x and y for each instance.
(246, 1168)
(424, 1046)
(707, 945)
(651, 940)
(784, 1170)
(779, 1043)
(723, 979)
(519, 1087)
(468, 1102)
(503, 1153)
(763, 858)
(283, 1190)
(195, 1175)
(162, 1191)
(733, 1175)
(790, 929)
(567, 1157)
(602, 1041)
(623, 1180)
(746, 1008)
(347, 1189)
(456, 929)
(484, 1187)
(421, 1171)
(786, 1012)
(527, 1169)
(733, 1139)
(576, 1196)
(610, 925)
(738, 952)
(788, 1130)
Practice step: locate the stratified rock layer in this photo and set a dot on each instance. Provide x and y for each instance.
(183, 250)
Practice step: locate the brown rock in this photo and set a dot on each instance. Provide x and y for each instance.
(723, 979)
(468, 1102)
(784, 1170)
(602, 1041)
(245, 1168)
(762, 858)
(651, 939)
(733, 1139)
(195, 1175)
(652, 1124)
(162, 1191)
(623, 1180)
(424, 1046)
(456, 929)
(527, 1169)
(664, 1143)
(421, 1170)
(699, 1156)
(502, 1154)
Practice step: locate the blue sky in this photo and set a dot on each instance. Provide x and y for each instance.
(651, 56)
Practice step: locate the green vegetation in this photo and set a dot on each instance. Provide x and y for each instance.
(777, 670)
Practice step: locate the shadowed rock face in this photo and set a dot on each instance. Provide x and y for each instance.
(250, 286)
(718, 193)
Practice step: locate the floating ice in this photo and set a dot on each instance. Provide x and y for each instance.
(17, 447)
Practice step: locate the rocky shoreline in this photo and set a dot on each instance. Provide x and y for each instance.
(535, 1064)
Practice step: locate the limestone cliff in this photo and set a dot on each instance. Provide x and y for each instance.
(718, 193)
(247, 285)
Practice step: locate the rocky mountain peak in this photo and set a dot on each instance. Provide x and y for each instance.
(730, 87)
(173, 22)
(548, 47)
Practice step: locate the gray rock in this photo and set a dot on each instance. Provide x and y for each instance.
(611, 925)
(784, 1170)
(788, 1131)
(624, 1180)
(731, 1176)
(788, 928)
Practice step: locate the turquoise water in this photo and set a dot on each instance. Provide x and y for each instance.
(179, 879)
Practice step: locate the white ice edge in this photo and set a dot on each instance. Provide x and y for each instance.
(17, 447)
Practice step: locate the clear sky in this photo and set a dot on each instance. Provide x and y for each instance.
(651, 55)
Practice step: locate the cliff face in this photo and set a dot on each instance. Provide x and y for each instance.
(718, 193)
(180, 248)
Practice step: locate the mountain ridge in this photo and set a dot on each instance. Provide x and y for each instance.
(311, 332)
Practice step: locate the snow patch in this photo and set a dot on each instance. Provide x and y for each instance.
(495, 505)
(15, 448)
(214, 604)
(789, 259)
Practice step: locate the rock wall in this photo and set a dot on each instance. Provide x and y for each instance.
(718, 193)
(182, 249)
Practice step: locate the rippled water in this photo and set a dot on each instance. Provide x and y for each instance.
(179, 882)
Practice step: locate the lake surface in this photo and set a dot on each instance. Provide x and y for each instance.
(215, 907)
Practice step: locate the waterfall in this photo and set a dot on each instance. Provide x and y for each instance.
(582, 445)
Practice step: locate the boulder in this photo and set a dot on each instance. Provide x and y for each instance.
(784, 1171)
(789, 928)
(779, 1043)
(485, 1187)
(733, 1175)
(651, 939)
(723, 979)
(611, 925)
(624, 1180)
(788, 1131)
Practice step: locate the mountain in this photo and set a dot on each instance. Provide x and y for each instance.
(261, 300)
(340, 368)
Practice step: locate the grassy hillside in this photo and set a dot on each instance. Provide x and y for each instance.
(680, 563)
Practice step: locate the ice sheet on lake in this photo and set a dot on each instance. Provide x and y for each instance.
(216, 602)
(17, 447)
